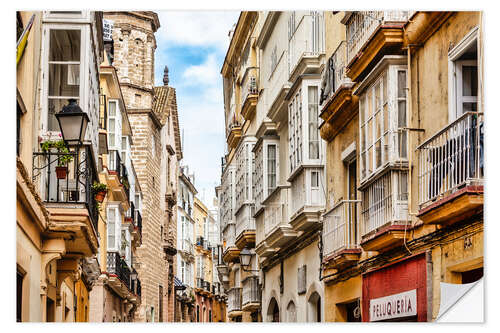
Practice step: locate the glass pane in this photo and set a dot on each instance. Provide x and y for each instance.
(377, 97)
(378, 125)
(369, 134)
(363, 137)
(370, 160)
(385, 153)
(64, 80)
(401, 114)
(402, 144)
(469, 80)
(112, 108)
(386, 118)
(369, 104)
(469, 107)
(362, 110)
(55, 105)
(363, 165)
(384, 83)
(378, 154)
(64, 45)
(401, 84)
(314, 179)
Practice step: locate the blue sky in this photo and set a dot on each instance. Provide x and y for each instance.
(193, 45)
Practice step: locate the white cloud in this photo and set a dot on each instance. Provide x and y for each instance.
(197, 28)
(205, 74)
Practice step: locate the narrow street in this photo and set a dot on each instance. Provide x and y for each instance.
(253, 166)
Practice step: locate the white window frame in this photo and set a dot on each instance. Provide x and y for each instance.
(83, 64)
(453, 55)
(117, 130)
(78, 16)
(113, 209)
(389, 136)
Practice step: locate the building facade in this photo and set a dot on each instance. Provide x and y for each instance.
(272, 192)
(117, 293)
(57, 217)
(402, 116)
(153, 116)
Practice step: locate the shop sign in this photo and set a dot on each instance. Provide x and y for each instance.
(394, 306)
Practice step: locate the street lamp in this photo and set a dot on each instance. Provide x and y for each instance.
(73, 123)
(245, 258)
(133, 275)
(223, 269)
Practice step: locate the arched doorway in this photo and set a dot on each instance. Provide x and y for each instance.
(291, 313)
(273, 311)
(314, 308)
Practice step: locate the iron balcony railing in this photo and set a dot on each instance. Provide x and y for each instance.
(139, 221)
(385, 201)
(362, 25)
(76, 188)
(234, 299)
(335, 72)
(452, 158)
(115, 163)
(340, 227)
(131, 213)
(117, 266)
(249, 84)
(187, 246)
(251, 290)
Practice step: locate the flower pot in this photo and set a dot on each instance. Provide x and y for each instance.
(61, 172)
(100, 196)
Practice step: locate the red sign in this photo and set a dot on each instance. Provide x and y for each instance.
(401, 278)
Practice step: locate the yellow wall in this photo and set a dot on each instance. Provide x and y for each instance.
(342, 292)
(82, 302)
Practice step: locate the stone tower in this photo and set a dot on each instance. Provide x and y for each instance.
(134, 45)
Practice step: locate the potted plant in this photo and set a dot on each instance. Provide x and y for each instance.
(63, 159)
(100, 191)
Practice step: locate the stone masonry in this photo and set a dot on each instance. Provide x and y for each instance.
(134, 46)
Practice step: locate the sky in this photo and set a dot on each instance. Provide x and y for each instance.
(193, 45)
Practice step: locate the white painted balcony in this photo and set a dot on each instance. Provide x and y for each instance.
(251, 293)
(306, 45)
(385, 201)
(340, 227)
(452, 158)
(234, 300)
(362, 25)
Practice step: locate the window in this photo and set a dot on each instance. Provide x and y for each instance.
(112, 216)
(295, 130)
(114, 124)
(63, 71)
(160, 305)
(291, 312)
(464, 79)
(124, 149)
(183, 271)
(383, 134)
(271, 168)
(312, 98)
(291, 25)
(301, 279)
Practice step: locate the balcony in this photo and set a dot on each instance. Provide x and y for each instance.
(187, 247)
(231, 251)
(234, 302)
(338, 105)
(370, 35)
(278, 88)
(200, 284)
(341, 234)
(245, 227)
(251, 294)
(277, 230)
(70, 201)
(306, 47)
(118, 178)
(451, 171)
(135, 286)
(384, 211)
(119, 274)
(249, 92)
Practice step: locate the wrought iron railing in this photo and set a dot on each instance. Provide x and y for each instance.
(76, 187)
(452, 158)
(117, 266)
(234, 299)
(131, 213)
(135, 285)
(115, 163)
(139, 222)
(251, 290)
(340, 227)
(362, 24)
(335, 72)
(249, 84)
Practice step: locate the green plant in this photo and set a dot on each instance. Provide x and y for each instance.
(61, 148)
(125, 183)
(99, 187)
